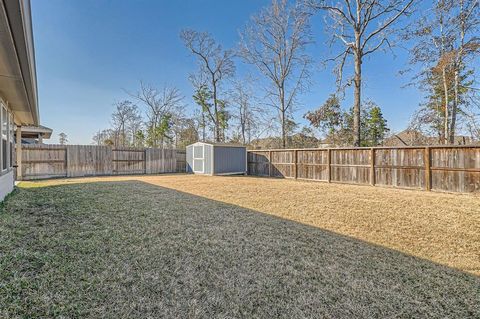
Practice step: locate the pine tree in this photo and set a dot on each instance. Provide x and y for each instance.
(375, 127)
(62, 139)
(338, 125)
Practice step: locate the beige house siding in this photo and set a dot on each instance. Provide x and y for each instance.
(18, 85)
(6, 184)
(7, 147)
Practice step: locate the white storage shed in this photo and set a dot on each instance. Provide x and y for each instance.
(216, 159)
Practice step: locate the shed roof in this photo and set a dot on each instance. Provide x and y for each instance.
(220, 144)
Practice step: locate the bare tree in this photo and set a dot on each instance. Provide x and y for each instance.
(362, 27)
(246, 112)
(160, 105)
(275, 41)
(104, 137)
(216, 65)
(186, 133)
(123, 114)
(134, 127)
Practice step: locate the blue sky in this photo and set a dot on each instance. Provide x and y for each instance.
(89, 51)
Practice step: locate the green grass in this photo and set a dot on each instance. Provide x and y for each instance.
(131, 249)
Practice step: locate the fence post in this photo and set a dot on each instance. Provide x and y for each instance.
(270, 163)
(295, 160)
(372, 166)
(428, 177)
(329, 167)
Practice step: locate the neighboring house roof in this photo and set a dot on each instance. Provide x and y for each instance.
(406, 138)
(266, 142)
(18, 83)
(33, 131)
(411, 137)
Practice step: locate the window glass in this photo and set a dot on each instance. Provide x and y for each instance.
(4, 138)
(1, 135)
(12, 140)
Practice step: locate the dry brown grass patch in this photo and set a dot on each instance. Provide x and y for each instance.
(443, 228)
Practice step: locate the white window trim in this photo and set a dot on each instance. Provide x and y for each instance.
(11, 140)
(8, 140)
(199, 158)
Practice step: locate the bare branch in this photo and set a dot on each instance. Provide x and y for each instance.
(348, 22)
(216, 65)
(386, 24)
(275, 41)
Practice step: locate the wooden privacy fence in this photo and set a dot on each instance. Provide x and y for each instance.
(440, 168)
(49, 161)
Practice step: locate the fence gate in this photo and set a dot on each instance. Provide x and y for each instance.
(44, 161)
(88, 160)
(161, 161)
(128, 161)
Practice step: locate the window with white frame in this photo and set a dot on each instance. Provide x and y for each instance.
(12, 139)
(4, 138)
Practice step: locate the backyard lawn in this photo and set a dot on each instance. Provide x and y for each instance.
(184, 246)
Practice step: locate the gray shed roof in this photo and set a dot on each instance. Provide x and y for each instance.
(220, 144)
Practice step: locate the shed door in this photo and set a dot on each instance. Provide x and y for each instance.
(198, 159)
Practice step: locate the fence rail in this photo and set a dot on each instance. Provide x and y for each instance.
(48, 161)
(439, 168)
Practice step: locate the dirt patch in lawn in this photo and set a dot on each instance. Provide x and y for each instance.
(129, 249)
(444, 228)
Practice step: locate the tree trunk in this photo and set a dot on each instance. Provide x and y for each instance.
(357, 99)
(204, 133)
(458, 64)
(123, 135)
(446, 114)
(215, 106)
(454, 108)
(243, 124)
(153, 136)
(282, 117)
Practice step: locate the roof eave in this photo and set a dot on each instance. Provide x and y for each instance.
(21, 92)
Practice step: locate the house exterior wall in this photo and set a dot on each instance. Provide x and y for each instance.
(6, 184)
(7, 147)
(230, 160)
(18, 87)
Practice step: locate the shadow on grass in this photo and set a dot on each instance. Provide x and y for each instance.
(132, 249)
